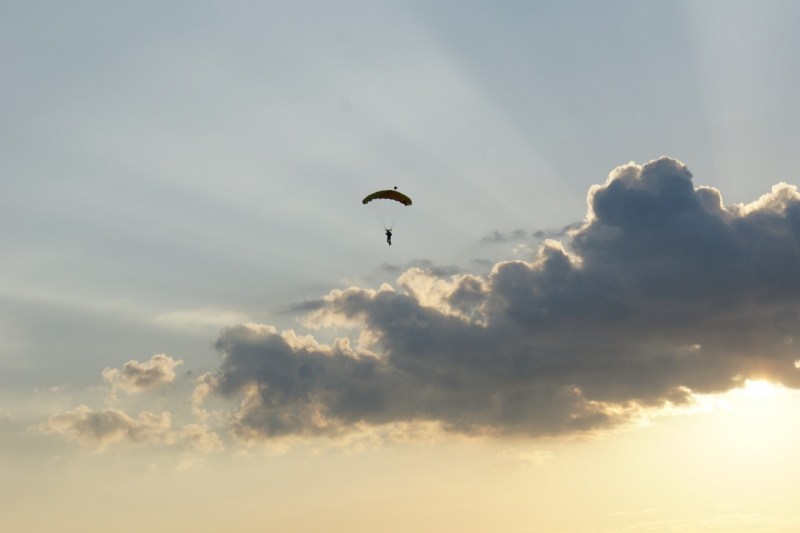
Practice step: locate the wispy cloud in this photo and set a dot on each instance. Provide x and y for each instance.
(574, 340)
(100, 428)
(498, 236)
(200, 318)
(420, 263)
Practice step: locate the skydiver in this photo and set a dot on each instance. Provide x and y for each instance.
(389, 236)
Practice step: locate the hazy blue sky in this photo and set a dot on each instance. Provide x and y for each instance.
(203, 327)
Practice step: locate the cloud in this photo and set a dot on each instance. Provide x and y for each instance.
(102, 428)
(498, 236)
(529, 458)
(108, 426)
(516, 235)
(198, 437)
(200, 319)
(420, 263)
(138, 376)
(663, 292)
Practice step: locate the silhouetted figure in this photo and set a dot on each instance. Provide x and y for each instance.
(389, 236)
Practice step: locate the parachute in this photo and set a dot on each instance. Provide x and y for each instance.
(388, 194)
(388, 206)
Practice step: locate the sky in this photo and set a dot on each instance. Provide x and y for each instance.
(586, 322)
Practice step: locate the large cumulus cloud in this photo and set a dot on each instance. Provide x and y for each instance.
(663, 292)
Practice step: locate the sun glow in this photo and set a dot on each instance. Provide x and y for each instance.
(759, 389)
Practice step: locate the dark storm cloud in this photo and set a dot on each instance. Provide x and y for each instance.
(661, 293)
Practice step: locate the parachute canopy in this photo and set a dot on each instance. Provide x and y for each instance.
(388, 194)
